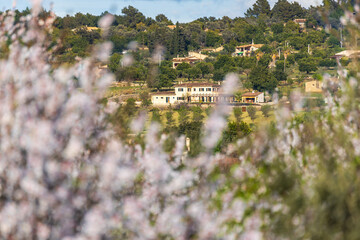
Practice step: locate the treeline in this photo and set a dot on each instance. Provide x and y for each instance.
(259, 23)
(274, 28)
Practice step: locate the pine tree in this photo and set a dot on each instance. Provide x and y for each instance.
(259, 7)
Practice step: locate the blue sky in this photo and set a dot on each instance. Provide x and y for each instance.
(176, 10)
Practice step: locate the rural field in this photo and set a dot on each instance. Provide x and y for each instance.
(193, 120)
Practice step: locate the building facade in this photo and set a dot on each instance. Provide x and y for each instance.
(313, 87)
(253, 97)
(246, 50)
(191, 93)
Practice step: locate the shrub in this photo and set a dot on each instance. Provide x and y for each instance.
(265, 109)
(252, 112)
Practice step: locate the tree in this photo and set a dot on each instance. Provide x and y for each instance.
(262, 79)
(132, 16)
(237, 113)
(224, 60)
(265, 109)
(156, 117)
(233, 132)
(169, 119)
(183, 117)
(114, 62)
(219, 75)
(287, 11)
(206, 68)
(259, 7)
(145, 99)
(193, 73)
(213, 39)
(308, 65)
(197, 114)
(252, 112)
(163, 18)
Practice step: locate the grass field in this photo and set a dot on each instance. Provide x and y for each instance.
(260, 119)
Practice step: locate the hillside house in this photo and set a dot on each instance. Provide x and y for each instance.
(253, 97)
(213, 50)
(190, 60)
(198, 55)
(163, 98)
(191, 93)
(301, 22)
(347, 54)
(246, 50)
(313, 87)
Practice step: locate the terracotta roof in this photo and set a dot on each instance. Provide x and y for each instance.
(251, 94)
(347, 53)
(197, 85)
(163, 93)
(249, 45)
(186, 59)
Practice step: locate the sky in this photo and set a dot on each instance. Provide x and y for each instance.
(176, 10)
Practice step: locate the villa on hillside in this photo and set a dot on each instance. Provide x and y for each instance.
(246, 50)
(86, 28)
(347, 54)
(213, 50)
(200, 93)
(190, 60)
(301, 22)
(253, 97)
(313, 87)
(191, 93)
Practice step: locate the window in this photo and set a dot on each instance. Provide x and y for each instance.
(189, 89)
(194, 89)
(162, 97)
(156, 97)
(208, 89)
(214, 90)
(173, 97)
(181, 98)
(201, 89)
(180, 89)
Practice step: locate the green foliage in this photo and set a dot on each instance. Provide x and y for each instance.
(327, 63)
(233, 132)
(145, 98)
(206, 68)
(170, 121)
(132, 16)
(252, 112)
(262, 79)
(183, 115)
(237, 113)
(277, 28)
(258, 8)
(156, 116)
(308, 64)
(193, 73)
(265, 109)
(197, 114)
(218, 75)
(213, 39)
(192, 130)
(114, 62)
(287, 11)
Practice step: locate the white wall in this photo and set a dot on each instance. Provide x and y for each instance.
(261, 98)
(158, 100)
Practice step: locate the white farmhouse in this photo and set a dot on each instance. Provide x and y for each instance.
(253, 97)
(163, 98)
(191, 93)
